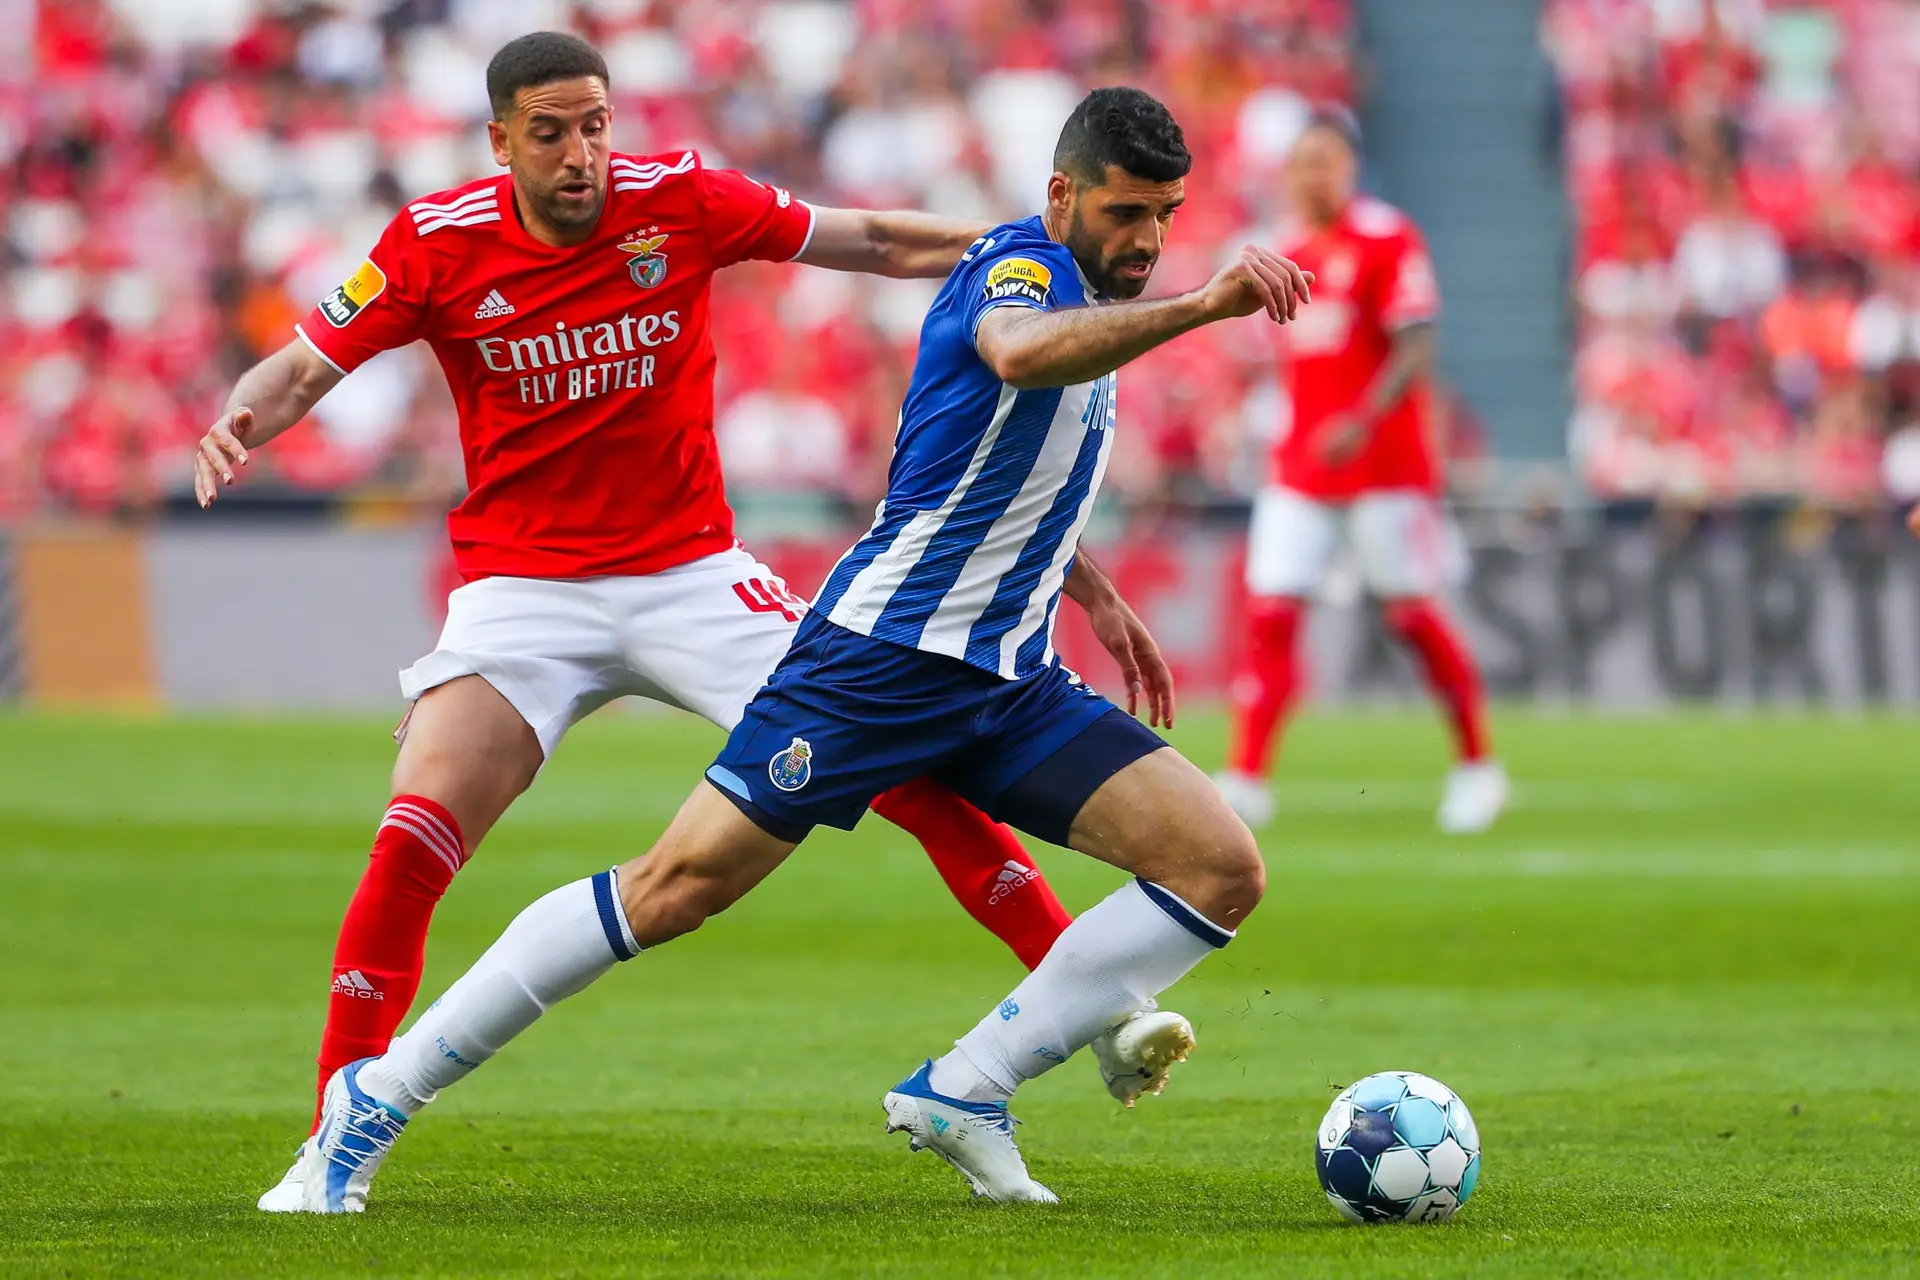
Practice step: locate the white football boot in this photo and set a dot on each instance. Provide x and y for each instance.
(1475, 795)
(1134, 1056)
(974, 1137)
(356, 1132)
(1247, 796)
(289, 1194)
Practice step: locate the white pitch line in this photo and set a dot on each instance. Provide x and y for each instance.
(1635, 864)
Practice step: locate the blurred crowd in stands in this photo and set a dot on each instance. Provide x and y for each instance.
(1745, 180)
(187, 176)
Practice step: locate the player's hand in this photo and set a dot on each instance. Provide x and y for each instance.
(1340, 441)
(1257, 280)
(1913, 520)
(221, 449)
(1122, 634)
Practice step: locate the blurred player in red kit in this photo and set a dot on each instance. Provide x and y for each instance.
(1358, 463)
(567, 302)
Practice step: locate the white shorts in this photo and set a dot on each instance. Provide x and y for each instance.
(1401, 539)
(703, 636)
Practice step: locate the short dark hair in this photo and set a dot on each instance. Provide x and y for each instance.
(1121, 126)
(538, 58)
(1336, 120)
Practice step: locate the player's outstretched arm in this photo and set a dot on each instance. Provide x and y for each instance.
(269, 398)
(902, 244)
(1122, 634)
(1027, 348)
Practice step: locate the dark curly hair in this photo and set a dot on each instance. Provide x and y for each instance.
(538, 58)
(1121, 126)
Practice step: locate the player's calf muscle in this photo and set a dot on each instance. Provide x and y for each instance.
(1161, 819)
(710, 857)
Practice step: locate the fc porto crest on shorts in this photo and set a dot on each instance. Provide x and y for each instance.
(648, 266)
(792, 769)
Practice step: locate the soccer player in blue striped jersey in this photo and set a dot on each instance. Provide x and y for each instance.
(990, 483)
(929, 653)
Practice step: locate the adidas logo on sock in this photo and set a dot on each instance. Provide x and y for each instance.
(354, 983)
(1011, 877)
(494, 306)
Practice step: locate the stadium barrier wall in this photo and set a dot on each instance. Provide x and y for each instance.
(320, 616)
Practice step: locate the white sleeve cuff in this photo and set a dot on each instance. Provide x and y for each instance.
(315, 348)
(812, 220)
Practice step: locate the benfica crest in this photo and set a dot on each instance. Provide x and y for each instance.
(647, 266)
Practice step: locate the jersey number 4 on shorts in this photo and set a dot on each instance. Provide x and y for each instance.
(770, 595)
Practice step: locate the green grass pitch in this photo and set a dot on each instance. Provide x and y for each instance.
(1679, 987)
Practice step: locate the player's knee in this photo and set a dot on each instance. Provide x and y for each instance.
(1236, 875)
(474, 794)
(1213, 863)
(465, 746)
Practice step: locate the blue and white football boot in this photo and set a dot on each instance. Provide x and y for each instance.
(289, 1194)
(1135, 1055)
(356, 1132)
(974, 1137)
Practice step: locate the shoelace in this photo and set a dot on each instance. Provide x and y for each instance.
(371, 1123)
(1002, 1121)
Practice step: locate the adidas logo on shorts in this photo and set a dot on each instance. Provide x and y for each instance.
(354, 983)
(494, 307)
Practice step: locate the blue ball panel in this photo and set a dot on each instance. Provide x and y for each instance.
(1376, 1093)
(1371, 1133)
(1419, 1123)
(1463, 1126)
(1469, 1178)
(1345, 1174)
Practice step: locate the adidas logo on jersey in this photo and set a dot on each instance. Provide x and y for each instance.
(1011, 877)
(354, 983)
(494, 307)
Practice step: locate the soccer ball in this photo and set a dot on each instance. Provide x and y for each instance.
(1398, 1147)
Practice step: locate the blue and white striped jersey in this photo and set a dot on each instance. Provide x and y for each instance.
(989, 487)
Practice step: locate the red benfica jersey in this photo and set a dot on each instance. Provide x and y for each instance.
(1372, 277)
(583, 375)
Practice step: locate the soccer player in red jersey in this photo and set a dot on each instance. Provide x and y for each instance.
(567, 302)
(1358, 461)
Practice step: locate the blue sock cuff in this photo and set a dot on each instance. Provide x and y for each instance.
(612, 919)
(1183, 915)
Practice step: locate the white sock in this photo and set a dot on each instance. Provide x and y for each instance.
(1107, 964)
(556, 947)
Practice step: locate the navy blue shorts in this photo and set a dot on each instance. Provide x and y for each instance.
(845, 717)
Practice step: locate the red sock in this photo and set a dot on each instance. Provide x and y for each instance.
(1449, 670)
(984, 864)
(383, 941)
(1268, 682)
